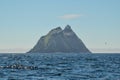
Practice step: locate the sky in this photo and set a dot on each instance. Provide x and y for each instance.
(23, 22)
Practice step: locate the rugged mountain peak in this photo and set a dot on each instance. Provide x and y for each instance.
(68, 31)
(67, 28)
(55, 30)
(58, 40)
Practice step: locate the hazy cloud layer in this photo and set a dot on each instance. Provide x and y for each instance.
(104, 50)
(16, 50)
(70, 16)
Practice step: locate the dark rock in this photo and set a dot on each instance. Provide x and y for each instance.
(58, 40)
(18, 66)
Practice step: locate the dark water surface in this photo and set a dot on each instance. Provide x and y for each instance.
(59, 66)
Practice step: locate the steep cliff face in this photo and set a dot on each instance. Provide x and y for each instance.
(58, 40)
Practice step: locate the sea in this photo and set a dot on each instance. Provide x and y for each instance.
(59, 66)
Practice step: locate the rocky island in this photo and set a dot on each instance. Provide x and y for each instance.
(58, 40)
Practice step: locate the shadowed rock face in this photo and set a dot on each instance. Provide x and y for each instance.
(58, 40)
